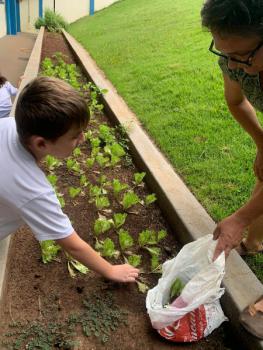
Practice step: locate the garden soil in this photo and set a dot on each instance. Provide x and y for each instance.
(46, 292)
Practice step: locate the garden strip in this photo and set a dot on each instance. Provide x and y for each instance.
(184, 213)
(47, 295)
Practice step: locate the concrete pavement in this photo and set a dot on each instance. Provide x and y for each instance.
(15, 51)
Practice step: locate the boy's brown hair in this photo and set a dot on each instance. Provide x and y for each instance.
(49, 107)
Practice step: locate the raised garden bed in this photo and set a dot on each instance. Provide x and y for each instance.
(43, 296)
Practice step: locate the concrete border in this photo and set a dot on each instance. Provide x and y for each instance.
(181, 209)
(31, 72)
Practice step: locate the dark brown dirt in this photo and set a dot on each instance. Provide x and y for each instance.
(38, 291)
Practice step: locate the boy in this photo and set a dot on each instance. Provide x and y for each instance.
(49, 119)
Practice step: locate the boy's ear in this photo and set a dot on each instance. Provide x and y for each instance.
(37, 143)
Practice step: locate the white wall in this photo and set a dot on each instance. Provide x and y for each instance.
(28, 14)
(2, 20)
(70, 10)
(100, 4)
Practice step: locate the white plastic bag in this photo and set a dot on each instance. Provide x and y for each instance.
(200, 311)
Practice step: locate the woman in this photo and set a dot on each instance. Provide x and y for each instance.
(237, 30)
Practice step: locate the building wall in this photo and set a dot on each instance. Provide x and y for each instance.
(2, 20)
(29, 12)
(100, 4)
(70, 10)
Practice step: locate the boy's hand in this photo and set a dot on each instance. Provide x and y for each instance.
(122, 273)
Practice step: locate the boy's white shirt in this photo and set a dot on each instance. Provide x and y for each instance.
(26, 196)
(6, 91)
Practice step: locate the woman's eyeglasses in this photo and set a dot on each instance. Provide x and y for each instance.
(247, 62)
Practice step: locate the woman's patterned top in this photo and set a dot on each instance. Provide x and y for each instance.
(250, 84)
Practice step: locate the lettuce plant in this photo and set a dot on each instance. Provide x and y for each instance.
(83, 181)
(73, 265)
(106, 133)
(52, 162)
(125, 239)
(77, 152)
(138, 178)
(52, 178)
(151, 237)
(134, 260)
(49, 250)
(118, 187)
(119, 219)
(73, 165)
(107, 248)
(102, 202)
(74, 192)
(150, 199)
(102, 225)
(129, 199)
(155, 255)
(90, 162)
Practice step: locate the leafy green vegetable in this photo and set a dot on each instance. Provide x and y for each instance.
(49, 250)
(150, 198)
(83, 181)
(125, 239)
(95, 142)
(114, 149)
(76, 152)
(61, 200)
(107, 248)
(119, 219)
(74, 192)
(151, 237)
(129, 199)
(176, 289)
(73, 165)
(102, 202)
(161, 235)
(142, 287)
(52, 178)
(88, 135)
(154, 262)
(74, 264)
(118, 187)
(52, 162)
(106, 133)
(102, 225)
(134, 260)
(147, 237)
(90, 162)
(96, 191)
(138, 177)
(101, 160)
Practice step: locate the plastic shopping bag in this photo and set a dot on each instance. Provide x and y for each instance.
(197, 311)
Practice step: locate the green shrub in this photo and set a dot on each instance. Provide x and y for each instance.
(53, 22)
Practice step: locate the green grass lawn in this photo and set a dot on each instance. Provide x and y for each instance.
(156, 55)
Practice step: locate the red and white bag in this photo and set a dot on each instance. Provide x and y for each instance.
(197, 311)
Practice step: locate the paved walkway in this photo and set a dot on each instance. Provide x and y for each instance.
(15, 51)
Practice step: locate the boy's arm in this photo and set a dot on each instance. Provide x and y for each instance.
(230, 230)
(83, 252)
(244, 113)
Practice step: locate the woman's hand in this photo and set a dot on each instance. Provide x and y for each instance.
(229, 234)
(122, 273)
(258, 165)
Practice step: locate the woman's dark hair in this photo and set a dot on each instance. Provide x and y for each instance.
(2, 80)
(237, 17)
